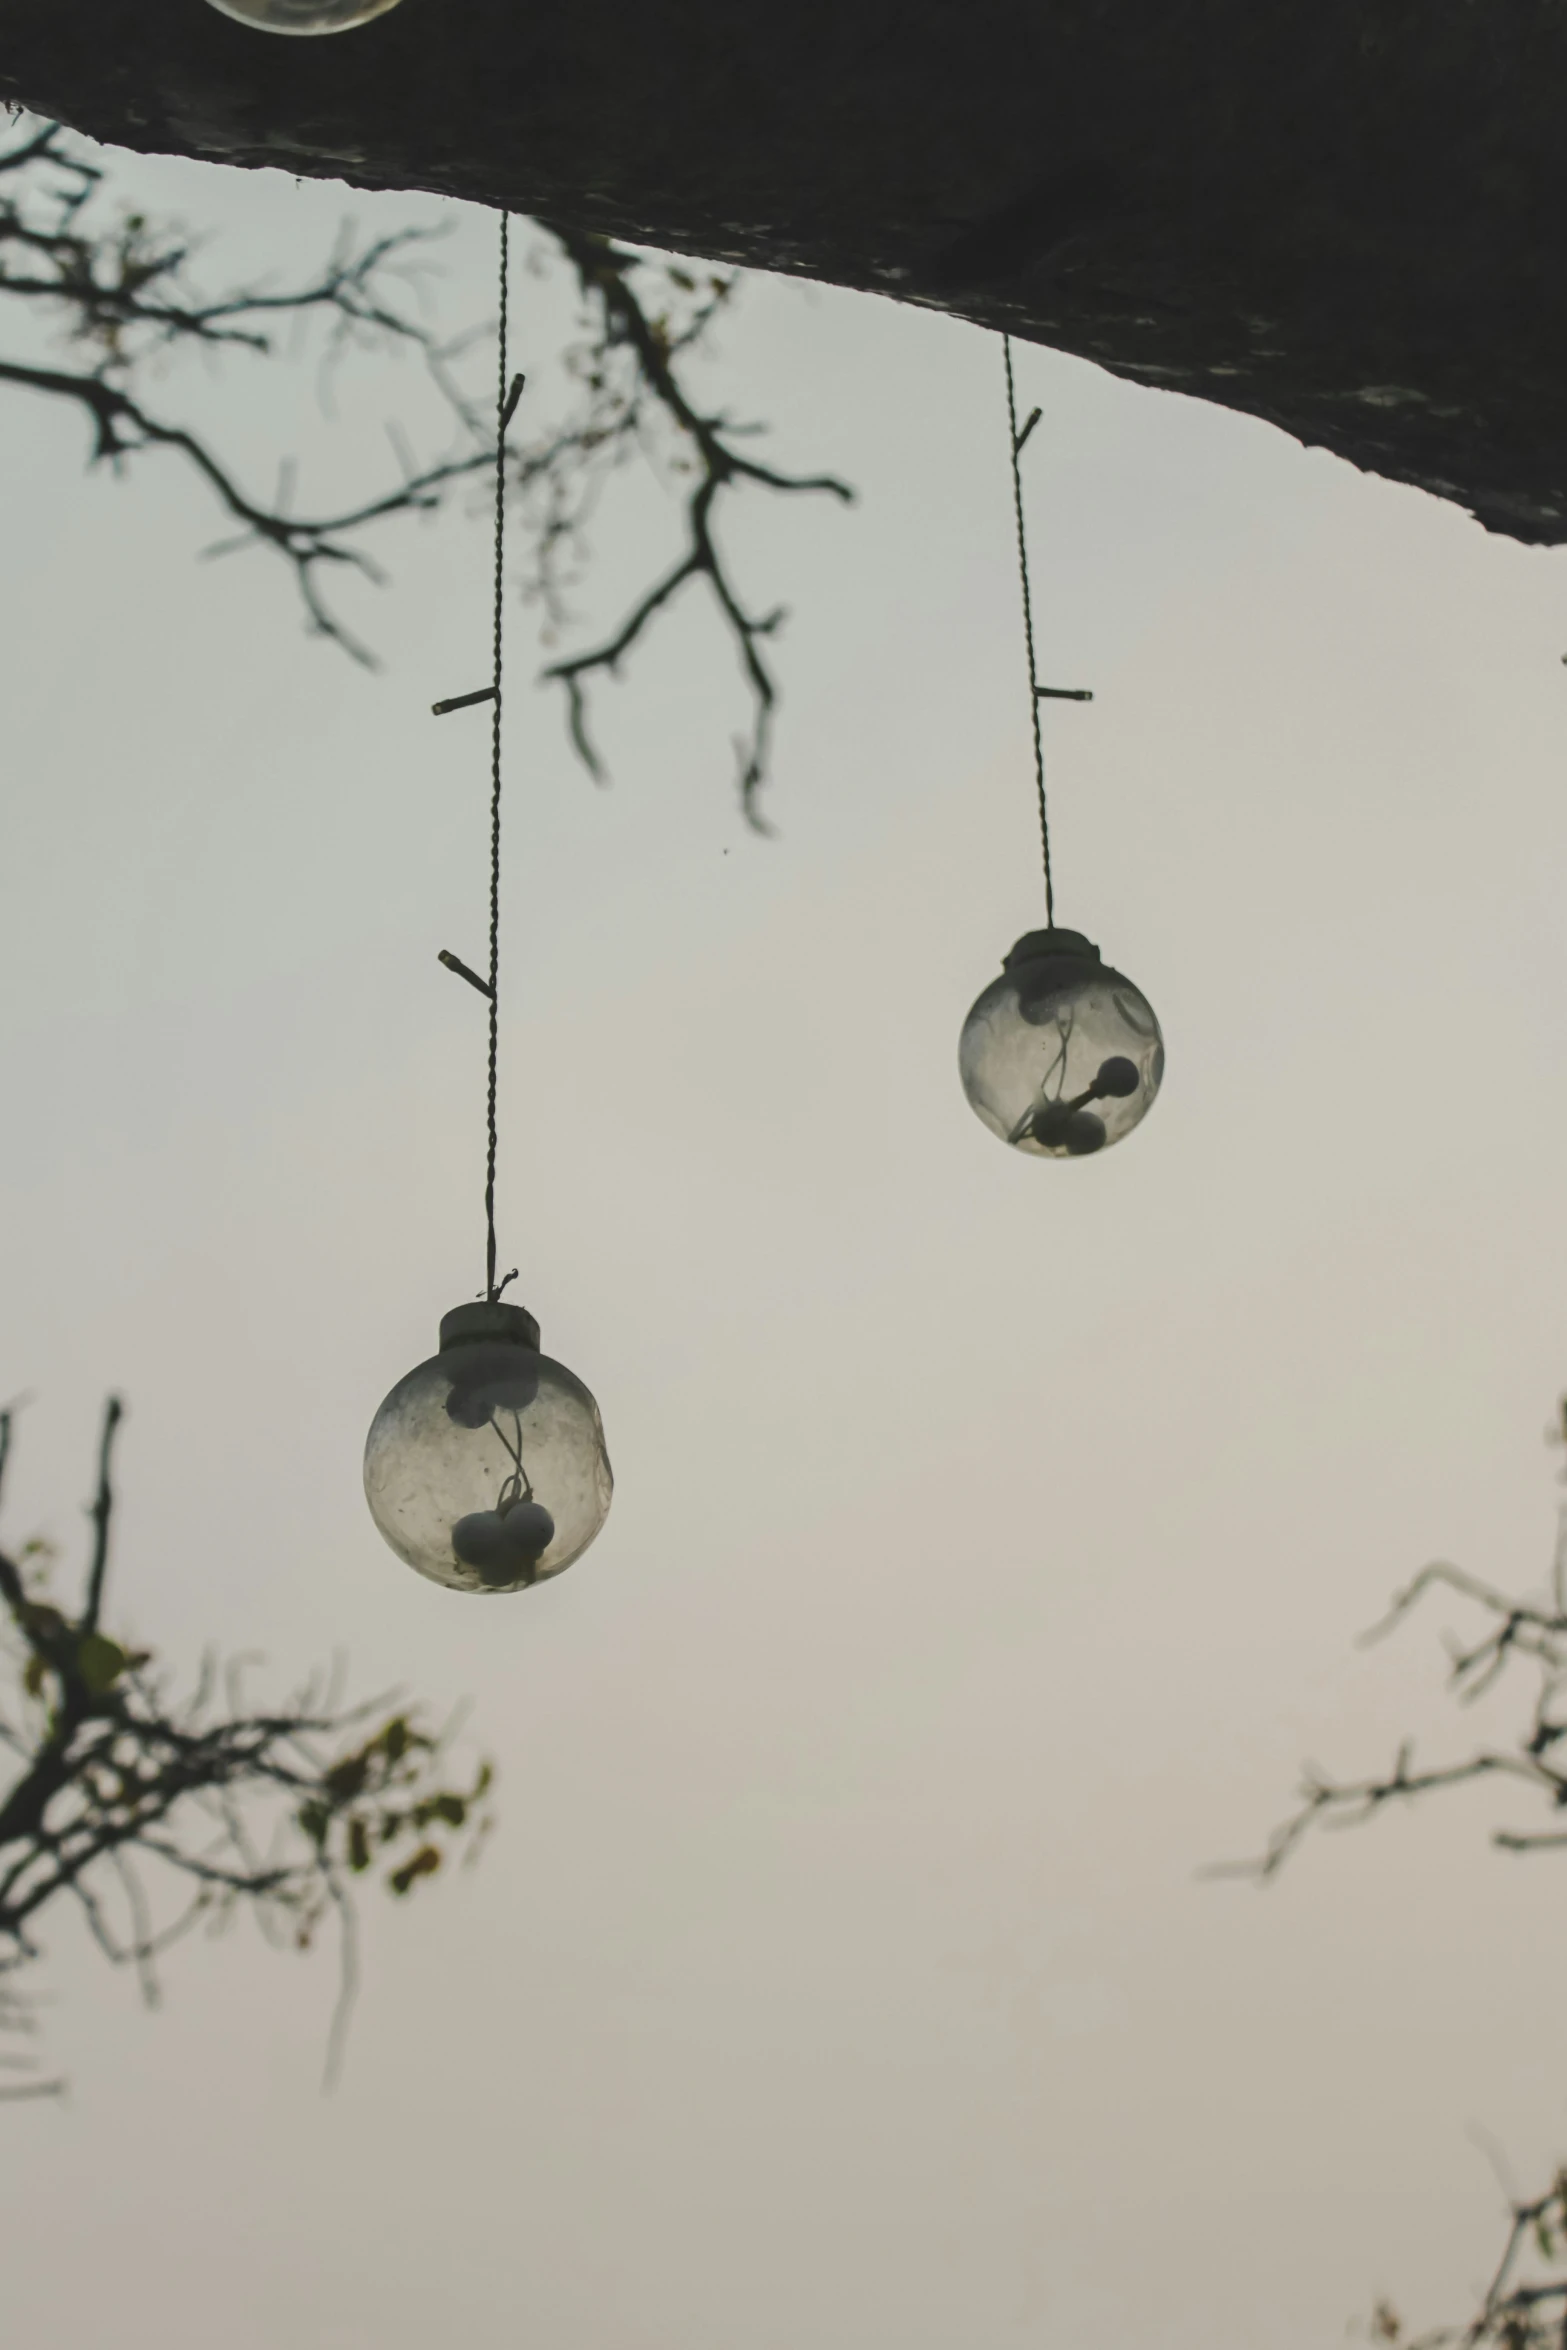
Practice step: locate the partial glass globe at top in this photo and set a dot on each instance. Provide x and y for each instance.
(303, 16)
(485, 1468)
(1061, 1056)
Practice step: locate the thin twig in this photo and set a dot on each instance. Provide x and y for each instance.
(604, 271)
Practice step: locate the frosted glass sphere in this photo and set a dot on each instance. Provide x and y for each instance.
(1061, 1055)
(485, 1468)
(303, 16)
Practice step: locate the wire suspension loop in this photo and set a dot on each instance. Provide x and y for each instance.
(1015, 441)
(501, 416)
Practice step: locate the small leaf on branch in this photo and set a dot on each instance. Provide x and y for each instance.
(424, 1863)
(100, 1662)
(346, 1779)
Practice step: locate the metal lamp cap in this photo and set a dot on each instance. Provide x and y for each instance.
(1051, 946)
(497, 1324)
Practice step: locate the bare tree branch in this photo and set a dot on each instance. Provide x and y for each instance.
(1524, 2307)
(1520, 2309)
(604, 271)
(124, 294)
(1537, 1760)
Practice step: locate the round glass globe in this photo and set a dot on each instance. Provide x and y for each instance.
(485, 1468)
(303, 16)
(1061, 1055)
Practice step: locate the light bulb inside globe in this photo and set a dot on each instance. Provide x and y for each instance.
(485, 1467)
(303, 16)
(1060, 1056)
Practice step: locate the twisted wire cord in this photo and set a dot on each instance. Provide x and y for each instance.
(1028, 631)
(490, 1289)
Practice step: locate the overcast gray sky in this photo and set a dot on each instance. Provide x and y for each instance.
(990, 1536)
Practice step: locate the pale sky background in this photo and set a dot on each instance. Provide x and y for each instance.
(990, 1536)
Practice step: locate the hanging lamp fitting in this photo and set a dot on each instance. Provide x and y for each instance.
(494, 1324)
(1049, 946)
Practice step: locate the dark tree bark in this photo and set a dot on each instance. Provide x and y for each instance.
(1335, 214)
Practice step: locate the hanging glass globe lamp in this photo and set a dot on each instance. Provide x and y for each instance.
(303, 16)
(1061, 1056)
(485, 1468)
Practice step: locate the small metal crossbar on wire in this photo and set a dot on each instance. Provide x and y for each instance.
(508, 392)
(1037, 693)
